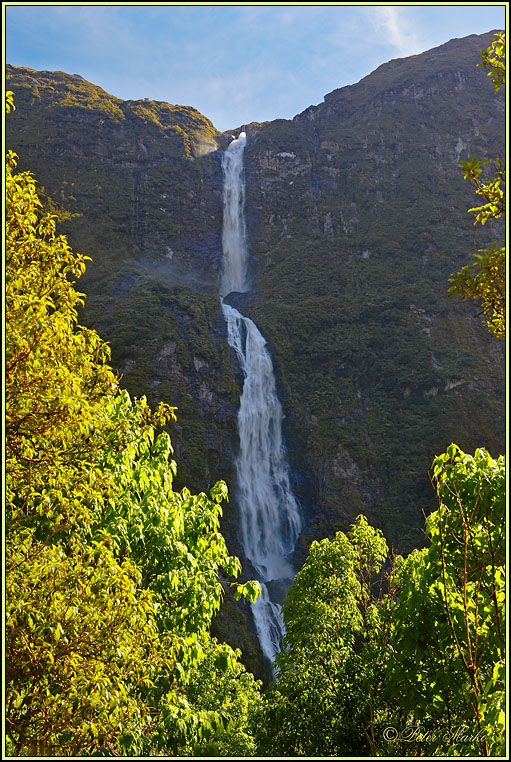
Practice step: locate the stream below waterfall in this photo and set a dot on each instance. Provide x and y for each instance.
(270, 519)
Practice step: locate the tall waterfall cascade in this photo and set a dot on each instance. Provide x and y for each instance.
(269, 514)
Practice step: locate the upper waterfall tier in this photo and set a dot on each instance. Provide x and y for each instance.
(235, 254)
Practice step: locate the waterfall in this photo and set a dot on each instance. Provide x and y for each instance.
(269, 515)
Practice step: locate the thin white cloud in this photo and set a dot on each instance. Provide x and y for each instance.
(240, 96)
(391, 22)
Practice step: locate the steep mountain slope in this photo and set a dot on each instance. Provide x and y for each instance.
(358, 219)
(356, 216)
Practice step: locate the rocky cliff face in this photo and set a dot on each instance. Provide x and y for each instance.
(356, 216)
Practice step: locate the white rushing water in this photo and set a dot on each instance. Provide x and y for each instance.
(269, 514)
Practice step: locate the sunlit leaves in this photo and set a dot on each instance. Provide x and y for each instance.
(56, 376)
(79, 636)
(485, 279)
(494, 58)
(417, 648)
(490, 189)
(329, 673)
(249, 590)
(9, 102)
(222, 687)
(449, 615)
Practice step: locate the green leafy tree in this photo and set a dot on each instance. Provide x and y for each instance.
(112, 578)
(221, 685)
(485, 279)
(494, 58)
(80, 633)
(326, 700)
(448, 638)
(175, 540)
(80, 638)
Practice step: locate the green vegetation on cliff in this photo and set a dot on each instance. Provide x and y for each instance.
(357, 219)
(485, 279)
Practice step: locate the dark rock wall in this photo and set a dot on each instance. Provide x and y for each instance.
(357, 216)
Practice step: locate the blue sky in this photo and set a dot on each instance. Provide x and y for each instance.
(234, 63)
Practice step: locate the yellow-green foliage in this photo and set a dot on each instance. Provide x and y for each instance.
(64, 90)
(447, 662)
(80, 637)
(56, 377)
(485, 279)
(400, 657)
(80, 634)
(111, 576)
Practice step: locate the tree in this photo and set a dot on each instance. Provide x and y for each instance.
(448, 639)
(80, 633)
(329, 674)
(112, 578)
(494, 58)
(485, 279)
(233, 694)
